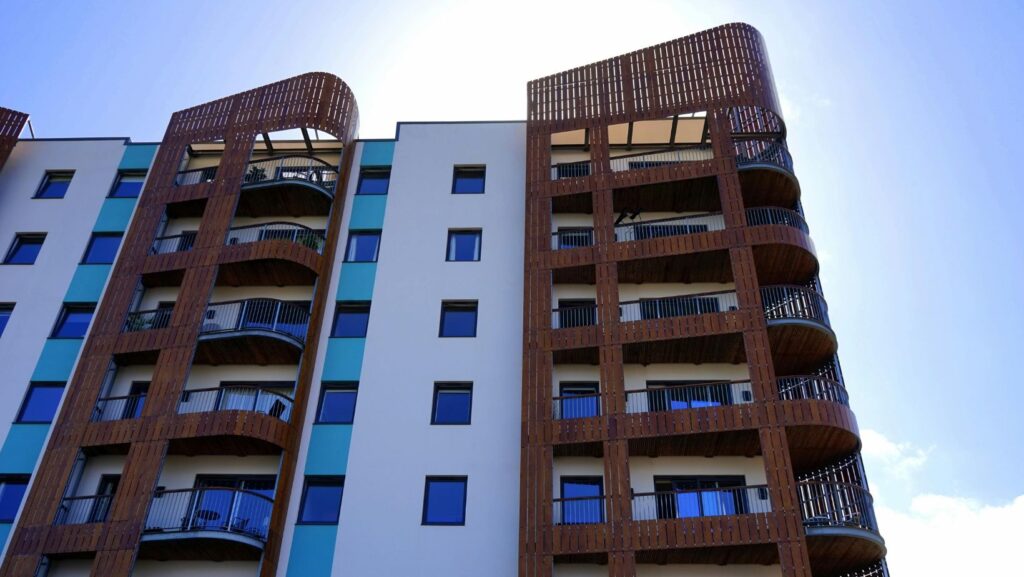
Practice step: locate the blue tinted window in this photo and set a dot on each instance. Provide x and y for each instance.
(321, 500)
(579, 400)
(464, 245)
(458, 319)
(468, 180)
(337, 404)
(73, 322)
(374, 181)
(350, 320)
(55, 185)
(25, 249)
(102, 249)
(40, 405)
(12, 490)
(128, 185)
(362, 247)
(5, 315)
(445, 501)
(452, 404)
(582, 502)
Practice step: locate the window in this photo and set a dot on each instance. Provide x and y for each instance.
(444, 501)
(5, 315)
(102, 249)
(25, 248)
(576, 313)
(468, 180)
(463, 245)
(73, 322)
(705, 496)
(362, 246)
(578, 400)
(40, 404)
(337, 403)
(583, 501)
(12, 490)
(321, 500)
(128, 185)
(350, 320)
(453, 404)
(55, 185)
(458, 319)
(374, 181)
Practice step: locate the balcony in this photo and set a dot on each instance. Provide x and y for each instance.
(195, 176)
(173, 243)
(677, 226)
(677, 306)
(766, 173)
(286, 231)
(254, 399)
(662, 157)
(218, 524)
(147, 320)
(798, 327)
(260, 331)
(295, 185)
(752, 500)
(118, 408)
(271, 254)
(82, 510)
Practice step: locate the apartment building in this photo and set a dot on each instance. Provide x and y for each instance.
(588, 343)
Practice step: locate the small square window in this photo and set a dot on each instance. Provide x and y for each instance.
(464, 245)
(102, 249)
(41, 402)
(73, 322)
(5, 315)
(351, 320)
(362, 246)
(458, 319)
(468, 180)
(374, 181)
(55, 185)
(337, 403)
(128, 184)
(25, 248)
(12, 491)
(453, 404)
(321, 500)
(444, 501)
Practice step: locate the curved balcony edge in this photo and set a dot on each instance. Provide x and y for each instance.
(263, 317)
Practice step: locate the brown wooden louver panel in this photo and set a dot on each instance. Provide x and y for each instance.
(12, 123)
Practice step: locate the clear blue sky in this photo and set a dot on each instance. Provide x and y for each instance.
(905, 121)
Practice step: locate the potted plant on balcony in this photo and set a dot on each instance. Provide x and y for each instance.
(311, 241)
(255, 174)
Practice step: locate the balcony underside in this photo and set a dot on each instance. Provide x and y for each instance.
(158, 278)
(800, 346)
(835, 551)
(199, 546)
(709, 266)
(289, 198)
(693, 195)
(238, 445)
(766, 185)
(246, 348)
(265, 272)
(753, 554)
(784, 264)
(812, 447)
(723, 348)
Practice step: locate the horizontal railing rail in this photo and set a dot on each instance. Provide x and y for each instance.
(576, 169)
(572, 317)
(578, 510)
(81, 510)
(689, 396)
(675, 226)
(829, 504)
(118, 408)
(574, 238)
(173, 243)
(701, 503)
(146, 320)
(289, 231)
(794, 302)
(662, 157)
(261, 314)
(811, 387)
(758, 151)
(210, 509)
(293, 167)
(766, 215)
(236, 398)
(677, 306)
(195, 176)
(576, 406)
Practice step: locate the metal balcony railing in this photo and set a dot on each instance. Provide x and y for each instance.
(663, 157)
(147, 320)
(292, 168)
(572, 238)
(578, 510)
(118, 408)
(81, 510)
(173, 243)
(774, 215)
(834, 504)
(677, 306)
(259, 314)
(675, 226)
(879, 569)
(210, 509)
(195, 176)
(576, 406)
(236, 398)
(289, 231)
(690, 396)
(811, 387)
(575, 169)
(701, 503)
(572, 317)
(763, 152)
(783, 302)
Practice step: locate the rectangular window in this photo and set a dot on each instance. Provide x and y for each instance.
(40, 404)
(374, 180)
(468, 180)
(464, 245)
(583, 501)
(444, 501)
(458, 319)
(102, 248)
(73, 322)
(55, 184)
(25, 248)
(702, 496)
(351, 320)
(578, 400)
(12, 491)
(453, 404)
(5, 315)
(337, 403)
(128, 184)
(362, 246)
(321, 500)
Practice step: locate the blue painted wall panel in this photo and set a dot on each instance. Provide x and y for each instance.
(377, 153)
(5, 532)
(115, 215)
(328, 449)
(137, 156)
(312, 551)
(355, 281)
(87, 284)
(368, 212)
(57, 360)
(344, 359)
(22, 447)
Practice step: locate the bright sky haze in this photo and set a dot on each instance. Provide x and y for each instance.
(904, 120)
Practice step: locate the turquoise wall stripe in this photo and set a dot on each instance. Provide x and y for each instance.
(57, 360)
(344, 359)
(22, 447)
(356, 281)
(367, 212)
(378, 153)
(138, 156)
(87, 284)
(5, 532)
(328, 449)
(312, 551)
(115, 215)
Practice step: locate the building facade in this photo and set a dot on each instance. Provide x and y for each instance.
(589, 343)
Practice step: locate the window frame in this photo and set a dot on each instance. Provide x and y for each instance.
(19, 239)
(62, 316)
(7, 308)
(451, 386)
(480, 244)
(458, 303)
(7, 479)
(426, 499)
(49, 174)
(352, 306)
(373, 170)
(356, 233)
(468, 167)
(19, 416)
(327, 386)
(320, 480)
(121, 174)
(93, 237)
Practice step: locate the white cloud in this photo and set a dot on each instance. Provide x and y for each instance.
(899, 460)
